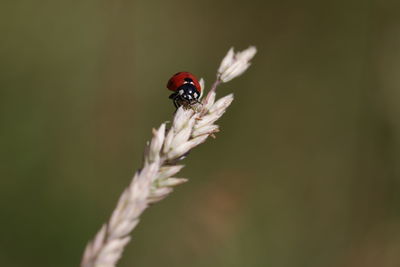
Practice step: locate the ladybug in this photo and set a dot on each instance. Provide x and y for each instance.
(186, 89)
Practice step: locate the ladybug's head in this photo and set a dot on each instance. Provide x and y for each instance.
(188, 92)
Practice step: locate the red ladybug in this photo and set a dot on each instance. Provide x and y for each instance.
(186, 89)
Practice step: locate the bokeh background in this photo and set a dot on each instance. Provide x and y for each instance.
(306, 170)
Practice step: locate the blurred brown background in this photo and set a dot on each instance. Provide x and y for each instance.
(304, 173)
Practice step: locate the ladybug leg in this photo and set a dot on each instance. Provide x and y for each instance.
(174, 97)
(176, 103)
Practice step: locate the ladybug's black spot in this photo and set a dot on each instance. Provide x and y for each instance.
(188, 80)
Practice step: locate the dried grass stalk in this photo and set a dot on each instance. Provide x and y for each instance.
(155, 181)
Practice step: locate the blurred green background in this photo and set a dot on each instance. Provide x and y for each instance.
(306, 170)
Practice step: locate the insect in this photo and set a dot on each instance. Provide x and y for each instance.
(186, 89)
